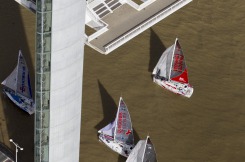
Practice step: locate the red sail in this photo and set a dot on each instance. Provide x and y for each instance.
(183, 77)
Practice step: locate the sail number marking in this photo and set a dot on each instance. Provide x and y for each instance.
(22, 88)
(121, 123)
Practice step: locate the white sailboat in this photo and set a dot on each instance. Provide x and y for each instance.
(118, 135)
(144, 151)
(18, 88)
(171, 71)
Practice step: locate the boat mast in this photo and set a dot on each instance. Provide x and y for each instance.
(116, 118)
(172, 58)
(17, 72)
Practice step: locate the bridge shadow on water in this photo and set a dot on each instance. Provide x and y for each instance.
(19, 125)
(156, 50)
(110, 110)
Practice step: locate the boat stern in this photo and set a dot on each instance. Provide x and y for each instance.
(189, 92)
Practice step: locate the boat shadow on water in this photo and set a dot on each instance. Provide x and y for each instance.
(18, 124)
(156, 50)
(109, 107)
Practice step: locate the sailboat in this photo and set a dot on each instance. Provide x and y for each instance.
(144, 151)
(171, 71)
(18, 88)
(118, 135)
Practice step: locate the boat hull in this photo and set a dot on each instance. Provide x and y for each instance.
(122, 149)
(175, 87)
(22, 102)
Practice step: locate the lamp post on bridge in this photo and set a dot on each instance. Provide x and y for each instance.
(16, 148)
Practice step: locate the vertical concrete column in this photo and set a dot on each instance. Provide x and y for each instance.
(59, 73)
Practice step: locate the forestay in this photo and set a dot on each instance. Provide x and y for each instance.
(123, 131)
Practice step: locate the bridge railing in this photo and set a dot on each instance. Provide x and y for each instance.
(139, 7)
(145, 25)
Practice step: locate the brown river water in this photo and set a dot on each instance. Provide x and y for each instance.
(208, 127)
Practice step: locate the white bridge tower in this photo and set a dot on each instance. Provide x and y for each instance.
(60, 28)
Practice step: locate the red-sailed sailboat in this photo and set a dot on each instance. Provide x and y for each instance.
(171, 71)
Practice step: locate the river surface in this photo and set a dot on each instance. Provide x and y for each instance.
(208, 127)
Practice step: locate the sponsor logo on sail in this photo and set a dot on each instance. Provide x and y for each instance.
(22, 88)
(181, 79)
(128, 132)
(121, 122)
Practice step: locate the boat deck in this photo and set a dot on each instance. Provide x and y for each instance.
(125, 18)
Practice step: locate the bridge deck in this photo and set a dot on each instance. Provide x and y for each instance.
(125, 18)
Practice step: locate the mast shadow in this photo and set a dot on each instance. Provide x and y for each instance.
(109, 107)
(156, 50)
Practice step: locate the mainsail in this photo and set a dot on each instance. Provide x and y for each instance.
(144, 151)
(23, 78)
(123, 130)
(19, 80)
(179, 68)
(172, 65)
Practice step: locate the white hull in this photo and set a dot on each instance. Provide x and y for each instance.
(122, 149)
(175, 87)
(26, 104)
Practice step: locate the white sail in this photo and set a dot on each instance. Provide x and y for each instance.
(138, 152)
(109, 129)
(123, 130)
(23, 79)
(11, 80)
(144, 151)
(164, 64)
(171, 64)
(171, 71)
